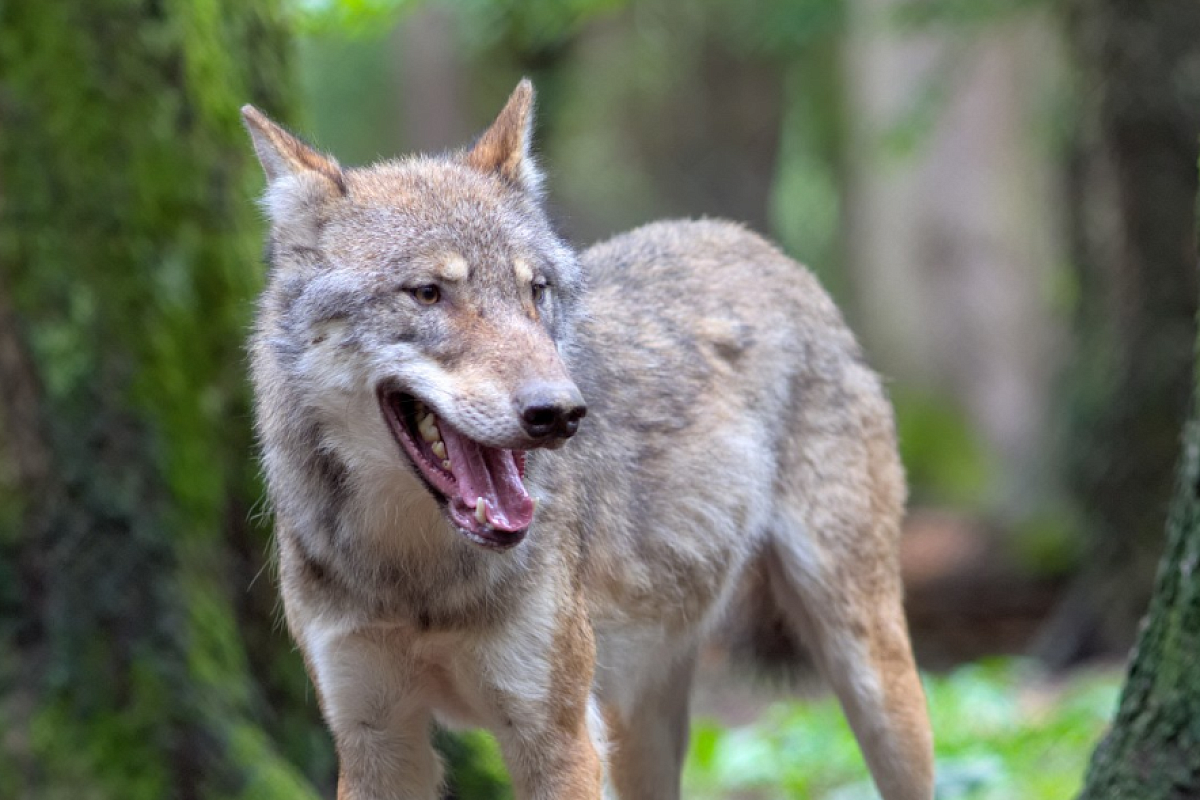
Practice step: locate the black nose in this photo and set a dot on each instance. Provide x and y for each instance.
(550, 411)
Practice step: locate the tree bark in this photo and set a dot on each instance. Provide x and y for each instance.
(1134, 183)
(1153, 749)
(129, 254)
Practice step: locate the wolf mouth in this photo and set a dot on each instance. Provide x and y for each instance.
(481, 488)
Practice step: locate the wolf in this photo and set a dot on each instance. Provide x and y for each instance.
(518, 487)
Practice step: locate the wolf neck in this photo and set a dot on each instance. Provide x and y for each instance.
(394, 514)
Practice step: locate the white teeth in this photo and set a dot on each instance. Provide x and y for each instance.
(446, 464)
(480, 517)
(439, 449)
(427, 426)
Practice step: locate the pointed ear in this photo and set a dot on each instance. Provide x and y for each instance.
(282, 154)
(504, 147)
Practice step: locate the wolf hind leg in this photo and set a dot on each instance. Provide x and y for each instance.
(648, 731)
(846, 606)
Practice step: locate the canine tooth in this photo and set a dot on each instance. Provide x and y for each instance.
(480, 517)
(438, 448)
(428, 429)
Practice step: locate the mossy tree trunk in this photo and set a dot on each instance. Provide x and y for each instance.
(1153, 749)
(1134, 181)
(129, 257)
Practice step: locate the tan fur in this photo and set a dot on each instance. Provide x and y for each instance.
(735, 446)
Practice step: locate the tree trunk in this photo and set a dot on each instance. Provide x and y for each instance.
(129, 254)
(1153, 749)
(1134, 183)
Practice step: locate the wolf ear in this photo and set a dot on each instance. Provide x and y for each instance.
(300, 181)
(283, 155)
(504, 147)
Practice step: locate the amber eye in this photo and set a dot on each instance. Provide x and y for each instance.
(427, 295)
(539, 290)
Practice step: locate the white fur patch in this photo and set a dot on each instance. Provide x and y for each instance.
(454, 267)
(523, 271)
(291, 203)
(598, 730)
(517, 662)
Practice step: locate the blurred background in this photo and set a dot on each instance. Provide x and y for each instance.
(998, 193)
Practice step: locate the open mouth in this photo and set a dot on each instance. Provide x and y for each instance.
(481, 487)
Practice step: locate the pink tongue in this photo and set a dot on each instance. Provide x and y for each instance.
(491, 474)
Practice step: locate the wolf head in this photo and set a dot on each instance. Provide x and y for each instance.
(414, 313)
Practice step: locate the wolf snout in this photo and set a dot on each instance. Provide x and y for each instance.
(550, 410)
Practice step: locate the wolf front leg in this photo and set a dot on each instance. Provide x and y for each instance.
(382, 733)
(539, 676)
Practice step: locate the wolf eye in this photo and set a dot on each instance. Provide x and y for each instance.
(539, 290)
(426, 295)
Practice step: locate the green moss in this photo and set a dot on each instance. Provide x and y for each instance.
(1151, 751)
(92, 751)
(131, 244)
(267, 777)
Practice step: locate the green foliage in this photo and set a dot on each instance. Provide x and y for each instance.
(353, 17)
(1001, 732)
(474, 765)
(779, 28)
(963, 13)
(114, 753)
(945, 459)
(527, 24)
(346, 83)
(1050, 543)
(266, 777)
